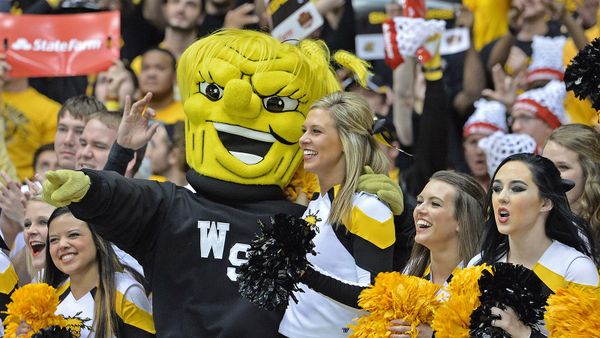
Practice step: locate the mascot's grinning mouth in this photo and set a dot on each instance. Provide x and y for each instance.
(247, 145)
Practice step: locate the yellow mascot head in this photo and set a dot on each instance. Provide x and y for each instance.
(245, 96)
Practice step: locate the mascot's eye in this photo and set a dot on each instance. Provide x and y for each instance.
(211, 90)
(279, 103)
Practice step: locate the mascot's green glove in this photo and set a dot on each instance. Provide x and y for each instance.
(382, 186)
(65, 186)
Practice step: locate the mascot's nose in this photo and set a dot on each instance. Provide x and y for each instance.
(239, 99)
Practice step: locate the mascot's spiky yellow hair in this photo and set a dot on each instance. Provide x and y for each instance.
(312, 56)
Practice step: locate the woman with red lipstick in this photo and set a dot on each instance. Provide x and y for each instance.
(355, 230)
(448, 219)
(532, 225)
(35, 230)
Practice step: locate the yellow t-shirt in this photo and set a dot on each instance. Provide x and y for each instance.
(6, 164)
(171, 114)
(30, 119)
(579, 111)
(491, 20)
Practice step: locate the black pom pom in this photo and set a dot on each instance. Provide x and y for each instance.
(54, 332)
(583, 74)
(511, 286)
(276, 260)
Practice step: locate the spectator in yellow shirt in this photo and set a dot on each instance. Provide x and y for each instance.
(29, 119)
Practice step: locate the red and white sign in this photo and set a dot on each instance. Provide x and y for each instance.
(392, 58)
(60, 45)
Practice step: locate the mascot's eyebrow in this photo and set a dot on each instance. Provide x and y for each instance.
(249, 59)
(279, 91)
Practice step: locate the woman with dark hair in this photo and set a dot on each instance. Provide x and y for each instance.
(448, 219)
(529, 222)
(95, 285)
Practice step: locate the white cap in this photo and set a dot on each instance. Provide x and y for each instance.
(546, 102)
(546, 59)
(499, 146)
(413, 32)
(489, 117)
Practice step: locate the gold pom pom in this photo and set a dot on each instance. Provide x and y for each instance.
(302, 181)
(35, 304)
(572, 312)
(395, 296)
(453, 317)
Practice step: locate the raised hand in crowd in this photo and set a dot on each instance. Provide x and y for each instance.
(12, 203)
(135, 130)
(327, 6)
(505, 86)
(34, 187)
(332, 11)
(559, 12)
(515, 17)
(473, 82)
(241, 16)
(115, 84)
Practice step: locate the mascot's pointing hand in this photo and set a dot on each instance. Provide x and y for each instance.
(62, 187)
(384, 187)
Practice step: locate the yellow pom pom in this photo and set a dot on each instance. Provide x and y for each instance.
(35, 304)
(395, 296)
(453, 317)
(307, 182)
(573, 312)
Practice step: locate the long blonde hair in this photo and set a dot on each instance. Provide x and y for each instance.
(354, 122)
(585, 141)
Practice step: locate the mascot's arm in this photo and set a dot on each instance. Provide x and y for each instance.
(118, 158)
(124, 211)
(65, 186)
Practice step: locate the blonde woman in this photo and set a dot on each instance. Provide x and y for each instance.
(573, 148)
(30, 263)
(355, 230)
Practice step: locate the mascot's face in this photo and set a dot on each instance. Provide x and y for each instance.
(244, 115)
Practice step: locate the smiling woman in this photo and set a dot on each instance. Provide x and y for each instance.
(355, 230)
(448, 219)
(97, 286)
(529, 222)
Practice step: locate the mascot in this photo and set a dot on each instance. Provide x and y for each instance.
(245, 97)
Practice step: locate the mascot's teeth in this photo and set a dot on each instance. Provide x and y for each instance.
(245, 132)
(246, 158)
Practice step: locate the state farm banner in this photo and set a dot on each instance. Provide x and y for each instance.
(60, 44)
